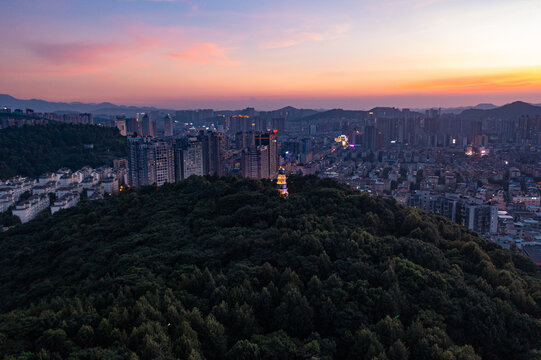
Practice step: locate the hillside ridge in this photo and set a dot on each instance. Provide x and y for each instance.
(213, 268)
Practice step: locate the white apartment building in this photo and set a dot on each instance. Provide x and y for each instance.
(65, 202)
(5, 202)
(110, 185)
(47, 188)
(67, 179)
(47, 177)
(72, 188)
(94, 190)
(28, 209)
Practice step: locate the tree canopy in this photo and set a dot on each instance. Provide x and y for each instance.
(33, 150)
(214, 268)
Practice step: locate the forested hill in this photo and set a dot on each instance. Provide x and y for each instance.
(214, 268)
(33, 150)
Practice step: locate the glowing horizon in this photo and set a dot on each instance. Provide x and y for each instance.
(193, 54)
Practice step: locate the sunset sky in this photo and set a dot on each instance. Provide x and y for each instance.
(269, 54)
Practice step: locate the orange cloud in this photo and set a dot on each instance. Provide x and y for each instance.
(496, 82)
(204, 53)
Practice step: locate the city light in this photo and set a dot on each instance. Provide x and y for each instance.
(342, 139)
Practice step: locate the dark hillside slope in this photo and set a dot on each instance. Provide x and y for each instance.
(33, 150)
(214, 268)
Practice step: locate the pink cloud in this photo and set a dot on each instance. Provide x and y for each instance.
(74, 52)
(204, 53)
(77, 57)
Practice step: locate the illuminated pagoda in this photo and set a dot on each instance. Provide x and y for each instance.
(281, 183)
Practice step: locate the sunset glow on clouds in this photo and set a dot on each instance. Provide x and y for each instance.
(356, 54)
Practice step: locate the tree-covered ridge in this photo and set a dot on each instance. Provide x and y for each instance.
(225, 268)
(33, 150)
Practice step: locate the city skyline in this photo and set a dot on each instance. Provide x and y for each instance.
(189, 54)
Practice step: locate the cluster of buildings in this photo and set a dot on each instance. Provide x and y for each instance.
(495, 193)
(161, 160)
(19, 117)
(474, 213)
(479, 170)
(26, 197)
(143, 124)
(383, 126)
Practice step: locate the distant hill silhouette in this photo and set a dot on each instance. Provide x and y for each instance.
(290, 112)
(458, 110)
(509, 111)
(338, 114)
(104, 108)
(380, 112)
(483, 110)
(107, 108)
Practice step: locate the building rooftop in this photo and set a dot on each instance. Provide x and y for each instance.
(534, 253)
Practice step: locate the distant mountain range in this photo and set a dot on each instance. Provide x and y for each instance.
(109, 109)
(514, 109)
(338, 114)
(104, 108)
(481, 111)
(458, 110)
(508, 111)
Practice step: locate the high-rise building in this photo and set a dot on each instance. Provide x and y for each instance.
(132, 127)
(188, 159)
(447, 205)
(255, 162)
(140, 160)
(213, 143)
(150, 161)
(244, 139)
(86, 118)
(164, 167)
(240, 123)
(259, 124)
(193, 160)
(480, 217)
(148, 126)
(120, 124)
(270, 139)
(473, 213)
(168, 126)
(370, 137)
(280, 125)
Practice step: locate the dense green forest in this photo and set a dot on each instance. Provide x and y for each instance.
(33, 150)
(224, 268)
